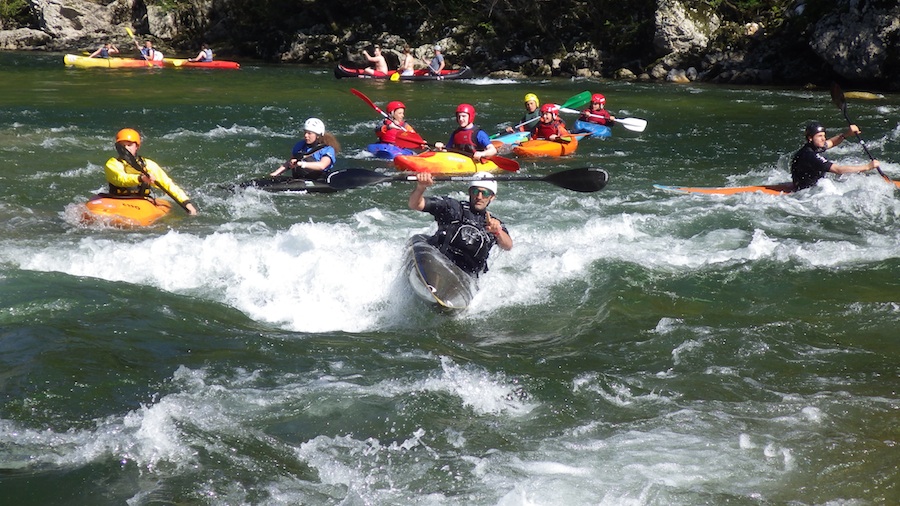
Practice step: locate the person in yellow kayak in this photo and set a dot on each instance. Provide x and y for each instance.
(105, 51)
(468, 137)
(314, 156)
(466, 230)
(550, 126)
(531, 114)
(133, 175)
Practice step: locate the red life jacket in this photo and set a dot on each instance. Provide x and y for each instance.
(389, 131)
(545, 130)
(464, 139)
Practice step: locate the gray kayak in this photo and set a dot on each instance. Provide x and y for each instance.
(436, 279)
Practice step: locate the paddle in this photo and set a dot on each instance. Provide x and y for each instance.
(395, 76)
(575, 101)
(409, 140)
(633, 124)
(584, 180)
(138, 46)
(506, 164)
(837, 97)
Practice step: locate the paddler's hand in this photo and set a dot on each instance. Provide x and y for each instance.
(492, 225)
(147, 179)
(424, 180)
(438, 146)
(191, 210)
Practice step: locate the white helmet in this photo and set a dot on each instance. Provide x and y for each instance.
(486, 181)
(315, 126)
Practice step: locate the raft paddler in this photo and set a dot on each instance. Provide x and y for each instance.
(466, 230)
(809, 165)
(130, 174)
(314, 156)
(468, 138)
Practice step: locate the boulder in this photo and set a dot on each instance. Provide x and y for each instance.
(681, 29)
(856, 43)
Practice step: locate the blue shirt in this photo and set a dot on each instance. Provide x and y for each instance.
(302, 151)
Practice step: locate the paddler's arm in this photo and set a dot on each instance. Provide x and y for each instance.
(161, 178)
(417, 197)
(837, 139)
(494, 226)
(849, 169)
(319, 165)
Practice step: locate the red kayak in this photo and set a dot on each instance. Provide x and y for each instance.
(215, 64)
(342, 70)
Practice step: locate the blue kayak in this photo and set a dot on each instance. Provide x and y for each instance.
(387, 151)
(594, 129)
(513, 138)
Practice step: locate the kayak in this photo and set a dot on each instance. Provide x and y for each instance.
(443, 162)
(513, 138)
(434, 278)
(387, 151)
(215, 64)
(772, 189)
(342, 70)
(594, 129)
(111, 63)
(544, 147)
(124, 212)
(288, 184)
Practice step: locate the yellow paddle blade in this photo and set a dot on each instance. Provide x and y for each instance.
(395, 76)
(130, 33)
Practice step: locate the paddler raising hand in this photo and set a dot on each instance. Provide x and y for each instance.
(133, 175)
(466, 230)
(468, 138)
(809, 165)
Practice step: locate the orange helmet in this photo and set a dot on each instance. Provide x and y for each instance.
(128, 135)
(598, 98)
(468, 109)
(393, 106)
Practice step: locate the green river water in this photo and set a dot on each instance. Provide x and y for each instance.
(635, 347)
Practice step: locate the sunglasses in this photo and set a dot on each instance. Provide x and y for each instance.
(475, 192)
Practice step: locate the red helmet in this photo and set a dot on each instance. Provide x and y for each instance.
(551, 108)
(393, 106)
(468, 109)
(597, 98)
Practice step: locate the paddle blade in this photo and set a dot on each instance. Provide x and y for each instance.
(633, 124)
(837, 96)
(395, 76)
(586, 180)
(578, 101)
(410, 140)
(129, 32)
(504, 163)
(355, 178)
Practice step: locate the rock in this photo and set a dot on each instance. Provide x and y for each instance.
(677, 76)
(23, 38)
(680, 29)
(855, 43)
(624, 75)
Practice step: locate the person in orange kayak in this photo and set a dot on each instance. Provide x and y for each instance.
(597, 113)
(532, 114)
(395, 124)
(314, 156)
(133, 175)
(809, 165)
(466, 230)
(550, 126)
(468, 137)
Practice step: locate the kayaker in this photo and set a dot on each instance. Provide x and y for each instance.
(104, 51)
(130, 174)
(151, 54)
(597, 113)
(314, 156)
(393, 126)
(437, 63)
(407, 63)
(550, 126)
(205, 54)
(808, 165)
(466, 230)
(468, 137)
(379, 61)
(531, 114)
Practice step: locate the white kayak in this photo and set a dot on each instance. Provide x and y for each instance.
(434, 278)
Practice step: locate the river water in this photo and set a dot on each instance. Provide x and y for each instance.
(635, 347)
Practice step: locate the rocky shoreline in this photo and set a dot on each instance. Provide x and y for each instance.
(856, 42)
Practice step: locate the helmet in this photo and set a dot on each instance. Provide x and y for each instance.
(393, 106)
(128, 135)
(315, 126)
(531, 96)
(813, 128)
(598, 98)
(468, 109)
(437, 48)
(551, 108)
(485, 180)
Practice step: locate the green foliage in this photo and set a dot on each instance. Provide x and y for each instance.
(14, 11)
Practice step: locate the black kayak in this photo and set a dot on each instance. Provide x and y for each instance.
(346, 70)
(289, 184)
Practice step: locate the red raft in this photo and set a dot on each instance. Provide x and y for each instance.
(343, 70)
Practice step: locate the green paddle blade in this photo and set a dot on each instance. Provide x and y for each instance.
(578, 101)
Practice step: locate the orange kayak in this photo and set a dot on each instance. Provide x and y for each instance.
(543, 147)
(443, 162)
(124, 212)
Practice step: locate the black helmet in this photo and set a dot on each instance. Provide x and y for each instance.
(814, 128)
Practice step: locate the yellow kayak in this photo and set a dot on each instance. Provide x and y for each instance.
(111, 63)
(124, 212)
(443, 162)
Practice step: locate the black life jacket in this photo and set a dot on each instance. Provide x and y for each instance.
(465, 241)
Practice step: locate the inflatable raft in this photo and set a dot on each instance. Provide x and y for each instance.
(344, 70)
